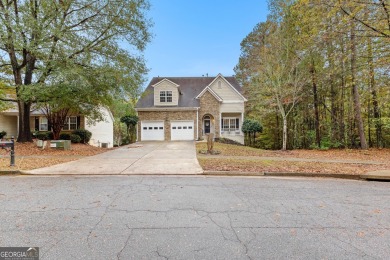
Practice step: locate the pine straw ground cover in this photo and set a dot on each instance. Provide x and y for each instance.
(247, 159)
(29, 156)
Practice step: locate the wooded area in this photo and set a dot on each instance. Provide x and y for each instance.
(317, 74)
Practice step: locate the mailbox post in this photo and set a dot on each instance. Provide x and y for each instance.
(8, 144)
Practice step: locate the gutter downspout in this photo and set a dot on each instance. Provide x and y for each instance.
(17, 126)
(197, 123)
(242, 121)
(136, 131)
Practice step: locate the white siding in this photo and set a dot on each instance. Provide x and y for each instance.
(166, 86)
(225, 91)
(232, 107)
(9, 124)
(103, 131)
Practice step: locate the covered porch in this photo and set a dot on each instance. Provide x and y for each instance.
(231, 124)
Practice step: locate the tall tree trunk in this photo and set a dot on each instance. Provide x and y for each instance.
(369, 123)
(376, 110)
(24, 134)
(284, 147)
(25, 106)
(355, 92)
(334, 136)
(341, 118)
(277, 146)
(315, 96)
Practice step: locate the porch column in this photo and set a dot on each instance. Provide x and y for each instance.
(220, 125)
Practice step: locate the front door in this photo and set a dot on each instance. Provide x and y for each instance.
(207, 126)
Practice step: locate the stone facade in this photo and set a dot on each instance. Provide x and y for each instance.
(209, 105)
(166, 116)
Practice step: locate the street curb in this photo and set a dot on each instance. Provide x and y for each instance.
(362, 177)
(9, 172)
(108, 174)
(284, 174)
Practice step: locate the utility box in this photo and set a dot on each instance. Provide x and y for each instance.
(60, 144)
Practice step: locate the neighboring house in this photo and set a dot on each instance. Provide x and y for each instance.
(188, 108)
(102, 132)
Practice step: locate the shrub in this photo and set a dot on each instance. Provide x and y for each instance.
(44, 135)
(75, 138)
(85, 135)
(2, 134)
(250, 127)
(65, 136)
(125, 140)
(227, 141)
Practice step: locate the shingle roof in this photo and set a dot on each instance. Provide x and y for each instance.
(190, 88)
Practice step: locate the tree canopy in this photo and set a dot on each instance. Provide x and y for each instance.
(51, 49)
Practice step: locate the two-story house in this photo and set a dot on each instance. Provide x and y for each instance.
(188, 108)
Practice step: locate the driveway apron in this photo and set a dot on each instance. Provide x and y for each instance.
(138, 158)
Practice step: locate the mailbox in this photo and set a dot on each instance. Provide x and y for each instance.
(6, 144)
(11, 145)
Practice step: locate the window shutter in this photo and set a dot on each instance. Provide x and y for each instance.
(221, 123)
(48, 125)
(237, 123)
(36, 123)
(78, 122)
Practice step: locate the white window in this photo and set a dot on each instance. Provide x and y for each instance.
(70, 123)
(165, 96)
(43, 124)
(230, 124)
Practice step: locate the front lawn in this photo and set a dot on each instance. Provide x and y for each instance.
(378, 155)
(247, 159)
(29, 156)
(261, 166)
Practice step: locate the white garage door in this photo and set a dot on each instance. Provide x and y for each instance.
(182, 130)
(152, 131)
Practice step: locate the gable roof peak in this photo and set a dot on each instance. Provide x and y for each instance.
(211, 92)
(165, 80)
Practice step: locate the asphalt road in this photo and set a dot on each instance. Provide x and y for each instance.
(150, 217)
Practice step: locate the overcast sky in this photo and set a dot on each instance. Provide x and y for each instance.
(195, 37)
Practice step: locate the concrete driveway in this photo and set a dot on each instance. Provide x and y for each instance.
(139, 158)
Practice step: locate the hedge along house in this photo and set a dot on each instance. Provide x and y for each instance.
(102, 131)
(188, 108)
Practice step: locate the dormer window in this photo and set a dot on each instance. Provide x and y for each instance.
(165, 96)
